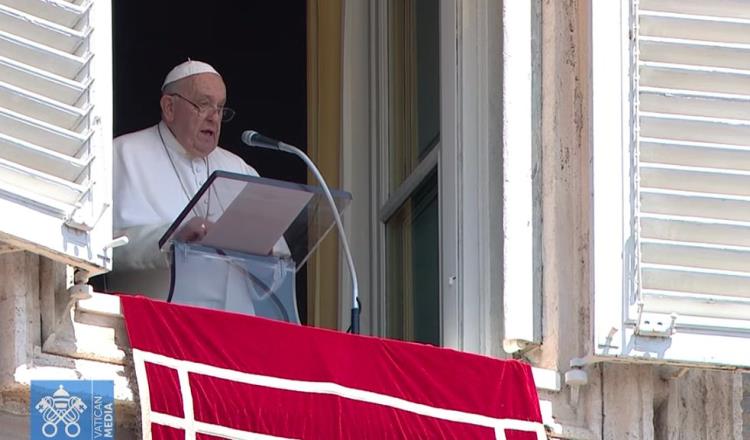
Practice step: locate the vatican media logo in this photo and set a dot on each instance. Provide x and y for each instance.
(61, 407)
(72, 409)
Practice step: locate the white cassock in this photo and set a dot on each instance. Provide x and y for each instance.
(153, 182)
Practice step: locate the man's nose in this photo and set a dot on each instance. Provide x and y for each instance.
(214, 114)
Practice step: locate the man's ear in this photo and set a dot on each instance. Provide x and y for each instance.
(167, 108)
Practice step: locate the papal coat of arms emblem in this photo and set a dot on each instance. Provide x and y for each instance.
(61, 407)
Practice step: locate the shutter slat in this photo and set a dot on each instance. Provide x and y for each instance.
(698, 78)
(41, 56)
(695, 179)
(44, 83)
(43, 187)
(692, 304)
(39, 133)
(68, 14)
(695, 280)
(717, 8)
(686, 204)
(41, 31)
(694, 27)
(695, 128)
(735, 258)
(43, 159)
(692, 52)
(695, 229)
(698, 154)
(689, 103)
(42, 108)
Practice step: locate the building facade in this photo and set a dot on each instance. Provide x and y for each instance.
(556, 181)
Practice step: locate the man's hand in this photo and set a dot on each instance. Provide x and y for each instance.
(194, 230)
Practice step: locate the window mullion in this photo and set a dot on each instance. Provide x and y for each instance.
(399, 196)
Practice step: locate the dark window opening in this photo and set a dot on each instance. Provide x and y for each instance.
(260, 49)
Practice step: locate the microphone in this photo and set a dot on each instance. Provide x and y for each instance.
(254, 139)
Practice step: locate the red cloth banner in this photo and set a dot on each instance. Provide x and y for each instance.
(207, 374)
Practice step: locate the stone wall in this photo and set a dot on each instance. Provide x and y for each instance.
(41, 339)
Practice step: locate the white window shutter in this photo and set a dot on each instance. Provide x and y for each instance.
(521, 287)
(684, 233)
(56, 129)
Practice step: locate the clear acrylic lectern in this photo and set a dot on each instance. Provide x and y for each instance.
(240, 241)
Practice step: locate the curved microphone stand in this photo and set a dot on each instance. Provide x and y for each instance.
(255, 139)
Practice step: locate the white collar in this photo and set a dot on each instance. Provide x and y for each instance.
(170, 141)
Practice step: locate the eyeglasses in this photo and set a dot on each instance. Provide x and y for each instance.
(204, 110)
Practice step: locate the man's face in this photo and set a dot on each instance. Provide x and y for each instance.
(197, 131)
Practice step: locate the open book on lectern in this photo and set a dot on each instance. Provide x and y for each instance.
(240, 240)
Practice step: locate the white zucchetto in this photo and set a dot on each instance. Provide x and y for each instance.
(188, 68)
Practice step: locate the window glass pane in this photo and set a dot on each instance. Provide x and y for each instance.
(412, 265)
(428, 77)
(414, 67)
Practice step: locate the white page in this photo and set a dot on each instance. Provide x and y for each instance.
(256, 218)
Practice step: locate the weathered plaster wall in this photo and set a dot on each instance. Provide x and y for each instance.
(19, 331)
(565, 192)
(33, 297)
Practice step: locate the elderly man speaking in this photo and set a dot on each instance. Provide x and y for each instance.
(157, 171)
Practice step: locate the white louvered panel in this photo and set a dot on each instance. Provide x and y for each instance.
(45, 113)
(42, 31)
(56, 129)
(64, 13)
(694, 159)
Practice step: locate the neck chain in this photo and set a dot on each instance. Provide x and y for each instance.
(179, 179)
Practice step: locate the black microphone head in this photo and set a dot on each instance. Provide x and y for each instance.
(255, 139)
(247, 137)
